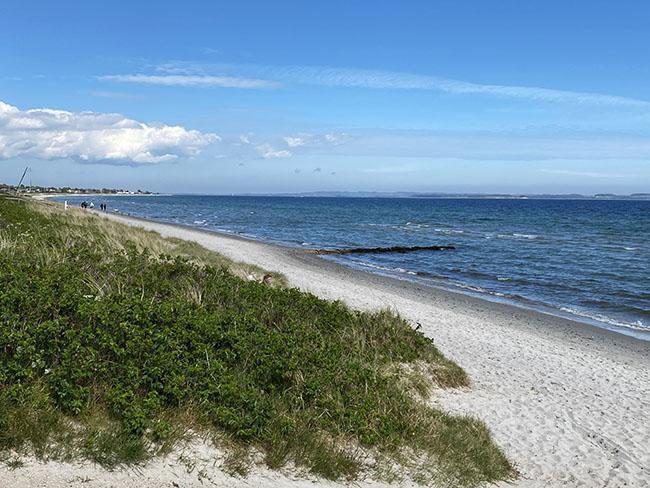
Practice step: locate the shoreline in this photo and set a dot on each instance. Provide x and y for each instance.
(451, 298)
(535, 307)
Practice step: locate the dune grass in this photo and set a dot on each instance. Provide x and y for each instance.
(117, 344)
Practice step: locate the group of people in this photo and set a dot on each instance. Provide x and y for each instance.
(102, 206)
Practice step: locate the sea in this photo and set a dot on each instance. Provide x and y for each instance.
(588, 260)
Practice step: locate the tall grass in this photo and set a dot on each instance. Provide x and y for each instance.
(115, 344)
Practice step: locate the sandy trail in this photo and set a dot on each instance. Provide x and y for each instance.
(567, 402)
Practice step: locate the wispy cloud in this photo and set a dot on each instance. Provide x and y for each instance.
(272, 76)
(112, 94)
(585, 174)
(494, 145)
(393, 169)
(405, 81)
(92, 137)
(191, 80)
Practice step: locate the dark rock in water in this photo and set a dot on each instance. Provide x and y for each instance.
(368, 250)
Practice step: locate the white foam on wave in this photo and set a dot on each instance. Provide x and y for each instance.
(636, 325)
(448, 231)
(384, 268)
(477, 289)
(515, 235)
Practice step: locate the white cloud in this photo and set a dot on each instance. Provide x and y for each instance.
(316, 140)
(267, 151)
(191, 80)
(93, 137)
(294, 141)
(335, 138)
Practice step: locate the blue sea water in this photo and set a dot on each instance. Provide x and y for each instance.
(588, 259)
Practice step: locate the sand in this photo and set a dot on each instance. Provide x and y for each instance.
(567, 402)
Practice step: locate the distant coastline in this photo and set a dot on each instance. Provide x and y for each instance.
(505, 196)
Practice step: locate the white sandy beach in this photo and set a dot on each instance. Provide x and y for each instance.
(567, 402)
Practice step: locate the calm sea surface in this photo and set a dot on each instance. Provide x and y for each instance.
(587, 259)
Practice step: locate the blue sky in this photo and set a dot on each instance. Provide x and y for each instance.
(223, 97)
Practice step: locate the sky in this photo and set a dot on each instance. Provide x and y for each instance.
(220, 97)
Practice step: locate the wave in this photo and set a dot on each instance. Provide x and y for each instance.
(514, 235)
(636, 325)
(448, 231)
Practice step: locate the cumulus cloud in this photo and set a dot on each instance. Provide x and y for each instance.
(267, 151)
(93, 137)
(294, 141)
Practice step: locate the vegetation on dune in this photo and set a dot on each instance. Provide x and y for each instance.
(115, 343)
